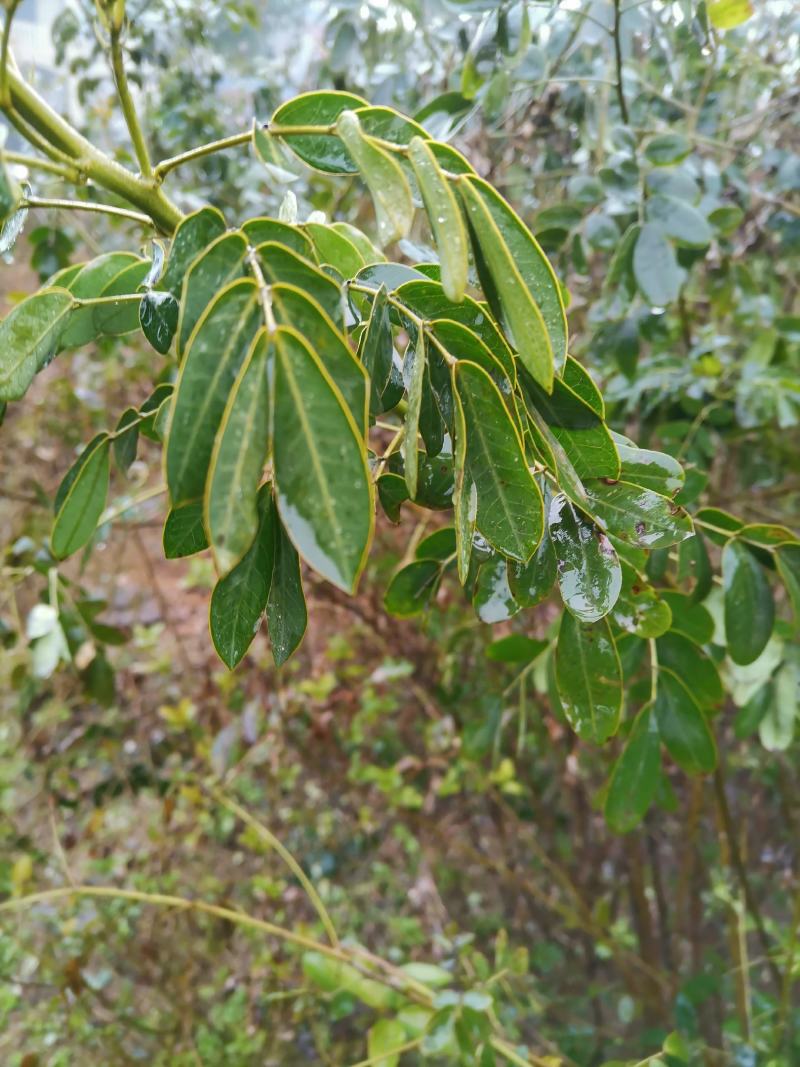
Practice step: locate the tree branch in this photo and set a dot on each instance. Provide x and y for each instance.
(166, 165)
(87, 205)
(623, 106)
(127, 104)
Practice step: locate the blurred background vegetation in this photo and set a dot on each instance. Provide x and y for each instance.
(424, 781)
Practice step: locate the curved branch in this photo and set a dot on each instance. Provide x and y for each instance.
(128, 106)
(87, 205)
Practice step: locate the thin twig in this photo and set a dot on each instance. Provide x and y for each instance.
(87, 205)
(623, 106)
(127, 104)
(166, 165)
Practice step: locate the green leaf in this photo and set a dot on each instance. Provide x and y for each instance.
(787, 558)
(692, 666)
(520, 274)
(117, 319)
(209, 274)
(89, 283)
(194, 234)
(184, 531)
(240, 598)
(29, 338)
(294, 307)
(125, 440)
(237, 460)
(679, 220)
(727, 14)
(411, 589)
(690, 619)
(376, 350)
(589, 678)
(637, 515)
(655, 267)
(777, 727)
(651, 470)
(634, 779)
(576, 427)
(426, 298)
(335, 248)
(640, 610)
(414, 376)
(81, 499)
(383, 1038)
(465, 494)
(158, 317)
(323, 151)
(515, 648)
(445, 219)
(492, 597)
(281, 265)
(509, 510)
(392, 493)
(384, 177)
(323, 488)
(287, 617)
(263, 230)
(580, 381)
(589, 572)
(533, 581)
(217, 350)
(749, 607)
(682, 725)
(667, 148)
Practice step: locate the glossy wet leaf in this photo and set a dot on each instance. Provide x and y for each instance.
(384, 177)
(508, 505)
(194, 234)
(638, 515)
(533, 581)
(322, 483)
(392, 493)
(655, 266)
(652, 470)
(81, 499)
(240, 598)
(221, 263)
(580, 381)
(158, 317)
(323, 151)
(411, 589)
(287, 616)
(294, 307)
(414, 377)
(237, 461)
(444, 215)
(506, 242)
(640, 609)
(694, 668)
(212, 361)
(184, 531)
(492, 597)
(577, 428)
(683, 726)
(588, 569)
(589, 678)
(29, 338)
(749, 607)
(634, 780)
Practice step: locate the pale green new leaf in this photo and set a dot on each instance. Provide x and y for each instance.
(444, 215)
(383, 175)
(29, 338)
